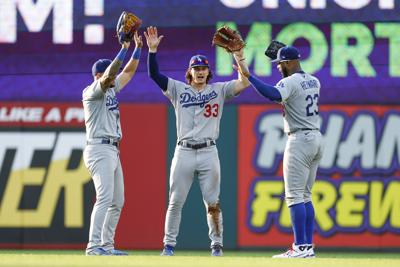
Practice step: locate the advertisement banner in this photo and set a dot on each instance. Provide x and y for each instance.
(48, 47)
(46, 192)
(77, 14)
(356, 194)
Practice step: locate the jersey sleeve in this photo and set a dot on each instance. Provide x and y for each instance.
(285, 89)
(171, 89)
(93, 91)
(228, 89)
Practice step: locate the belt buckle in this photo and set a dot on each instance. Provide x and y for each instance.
(203, 145)
(105, 141)
(196, 146)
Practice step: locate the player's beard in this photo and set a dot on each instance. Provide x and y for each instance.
(284, 72)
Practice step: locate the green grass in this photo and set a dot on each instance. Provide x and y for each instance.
(58, 258)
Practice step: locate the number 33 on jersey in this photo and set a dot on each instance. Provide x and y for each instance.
(194, 109)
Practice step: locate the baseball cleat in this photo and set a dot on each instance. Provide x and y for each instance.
(98, 252)
(310, 251)
(168, 251)
(116, 252)
(216, 250)
(297, 251)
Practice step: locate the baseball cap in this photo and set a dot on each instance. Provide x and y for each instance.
(287, 53)
(198, 60)
(100, 66)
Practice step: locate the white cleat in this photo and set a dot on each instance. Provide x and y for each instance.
(310, 251)
(297, 251)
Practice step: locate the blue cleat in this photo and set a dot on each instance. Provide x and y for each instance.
(168, 251)
(116, 252)
(98, 252)
(216, 250)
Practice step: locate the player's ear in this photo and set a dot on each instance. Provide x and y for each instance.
(98, 76)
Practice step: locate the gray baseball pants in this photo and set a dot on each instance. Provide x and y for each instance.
(104, 165)
(186, 163)
(302, 155)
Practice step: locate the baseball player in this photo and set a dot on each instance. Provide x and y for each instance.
(298, 92)
(101, 155)
(198, 109)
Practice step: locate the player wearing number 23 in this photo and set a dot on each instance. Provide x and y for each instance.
(298, 92)
(198, 108)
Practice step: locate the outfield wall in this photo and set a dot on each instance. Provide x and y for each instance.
(46, 194)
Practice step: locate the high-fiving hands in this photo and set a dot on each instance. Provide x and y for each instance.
(152, 38)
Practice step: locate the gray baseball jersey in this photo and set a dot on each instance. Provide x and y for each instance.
(198, 114)
(102, 116)
(300, 94)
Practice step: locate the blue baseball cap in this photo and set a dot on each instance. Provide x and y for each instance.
(198, 60)
(287, 53)
(100, 66)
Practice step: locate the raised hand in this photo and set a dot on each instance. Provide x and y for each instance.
(138, 40)
(238, 55)
(126, 44)
(152, 38)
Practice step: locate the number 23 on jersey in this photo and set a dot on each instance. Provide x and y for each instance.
(312, 105)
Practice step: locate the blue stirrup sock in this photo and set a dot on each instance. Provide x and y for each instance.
(298, 218)
(310, 215)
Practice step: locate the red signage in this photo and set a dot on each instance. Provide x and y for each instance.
(46, 193)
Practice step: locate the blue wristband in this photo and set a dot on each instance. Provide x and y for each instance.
(121, 54)
(136, 53)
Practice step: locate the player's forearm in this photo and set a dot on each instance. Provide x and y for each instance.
(241, 84)
(265, 89)
(115, 65)
(242, 81)
(154, 73)
(131, 67)
(111, 72)
(242, 64)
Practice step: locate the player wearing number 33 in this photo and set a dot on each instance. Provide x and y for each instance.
(198, 109)
(298, 92)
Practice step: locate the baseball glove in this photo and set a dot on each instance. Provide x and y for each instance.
(127, 25)
(272, 49)
(228, 39)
